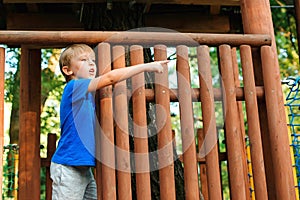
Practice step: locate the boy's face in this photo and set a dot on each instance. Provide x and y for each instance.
(83, 65)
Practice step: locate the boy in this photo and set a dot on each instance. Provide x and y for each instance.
(75, 155)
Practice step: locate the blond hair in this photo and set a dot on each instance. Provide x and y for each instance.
(69, 53)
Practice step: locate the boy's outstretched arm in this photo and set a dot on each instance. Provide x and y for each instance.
(121, 74)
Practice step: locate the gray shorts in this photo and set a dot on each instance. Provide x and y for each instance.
(72, 183)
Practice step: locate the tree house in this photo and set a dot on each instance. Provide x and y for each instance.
(227, 25)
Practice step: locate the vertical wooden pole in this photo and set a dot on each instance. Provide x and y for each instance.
(210, 147)
(2, 69)
(254, 133)
(187, 124)
(234, 139)
(237, 84)
(165, 146)
(29, 135)
(143, 187)
(203, 168)
(257, 18)
(51, 147)
(122, 135)
(29, 188)
(280, 149)
(107, 129)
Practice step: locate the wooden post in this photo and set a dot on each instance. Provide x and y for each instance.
(237, 84)
(254, 133)
(107, 129)
(29, 181)
(257, 19)
(202, 166)
(234, 139)
(122, 135)
(187, 124)
(143, 187)
(2, 68)
(51, 147)
(29, 135)
(164, 137)
(210, 147)
(279, 142)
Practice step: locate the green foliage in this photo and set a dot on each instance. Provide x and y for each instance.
(12, 79)
(286, 38)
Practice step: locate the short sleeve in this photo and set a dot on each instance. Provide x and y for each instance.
(79, 89)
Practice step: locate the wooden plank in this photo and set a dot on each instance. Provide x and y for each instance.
(163, 122)
(184, 2)
(210, 140)
(234, 139)
(2, 68)
(254, 133)
(187, 124)
(41, 21)
(121, 128)
(125, 37)
(107, 128)
(197, 22)
(29, 135)
(142, 167)
(215, 9)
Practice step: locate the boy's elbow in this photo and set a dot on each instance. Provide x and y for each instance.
(110, 79)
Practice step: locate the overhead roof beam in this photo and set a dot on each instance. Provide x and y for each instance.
(182, 2)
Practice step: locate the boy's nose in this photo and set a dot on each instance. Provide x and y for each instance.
(91, 62)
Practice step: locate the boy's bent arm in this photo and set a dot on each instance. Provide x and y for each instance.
(121, 74)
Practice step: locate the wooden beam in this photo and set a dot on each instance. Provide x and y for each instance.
(215, 10)
(184, 2)
(125, 37)
(40, 21)
(32, 7)
(29, 134)
(196, 22)
(177, 21)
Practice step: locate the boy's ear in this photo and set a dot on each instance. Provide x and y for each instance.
(67, 70)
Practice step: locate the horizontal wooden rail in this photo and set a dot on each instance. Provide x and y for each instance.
(201, 160)
(196, 94)
(60, 38)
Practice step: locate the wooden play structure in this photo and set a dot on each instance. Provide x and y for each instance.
(261, 92)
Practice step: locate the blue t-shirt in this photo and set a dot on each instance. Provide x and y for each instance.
(76, 146)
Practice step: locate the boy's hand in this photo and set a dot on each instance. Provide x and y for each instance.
(159, 68)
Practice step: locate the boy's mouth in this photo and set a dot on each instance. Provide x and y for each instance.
(92, 71)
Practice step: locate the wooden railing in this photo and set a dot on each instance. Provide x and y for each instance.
(269, 149)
